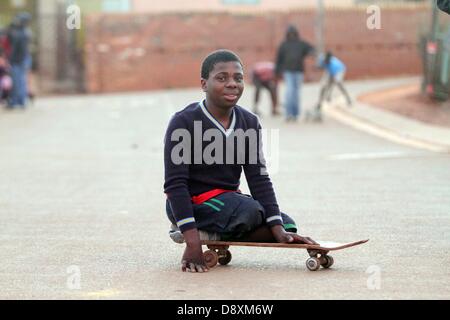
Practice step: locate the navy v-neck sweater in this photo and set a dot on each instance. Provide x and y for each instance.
(195, 174)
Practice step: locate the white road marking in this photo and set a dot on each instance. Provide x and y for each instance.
(370, 155)
(385, 133)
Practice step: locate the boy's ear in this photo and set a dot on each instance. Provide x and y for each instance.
(204, 85)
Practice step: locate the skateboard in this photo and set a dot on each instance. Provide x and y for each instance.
(318, 254)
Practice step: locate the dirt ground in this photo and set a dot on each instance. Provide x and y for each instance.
(408, 101)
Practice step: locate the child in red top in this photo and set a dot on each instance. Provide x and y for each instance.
(263, 76)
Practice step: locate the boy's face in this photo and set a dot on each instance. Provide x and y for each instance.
(225, 84)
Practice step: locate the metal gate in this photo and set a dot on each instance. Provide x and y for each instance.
(59, 61)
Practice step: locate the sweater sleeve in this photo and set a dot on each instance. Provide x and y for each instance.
(177, 156)
(261, 186)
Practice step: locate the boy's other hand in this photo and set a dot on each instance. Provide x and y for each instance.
(289, 237)
(193, 260)
(295, 238)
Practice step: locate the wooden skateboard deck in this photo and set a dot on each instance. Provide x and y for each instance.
(218, 251)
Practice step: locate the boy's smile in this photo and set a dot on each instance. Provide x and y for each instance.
(225, 85)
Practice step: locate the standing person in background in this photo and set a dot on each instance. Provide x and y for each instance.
(263, 76)
(290, 64)
(20, 59)
(29, 62)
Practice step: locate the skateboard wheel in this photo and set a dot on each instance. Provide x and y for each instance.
(226, 259)
(211, 258)
(329, 262)
(313, 264)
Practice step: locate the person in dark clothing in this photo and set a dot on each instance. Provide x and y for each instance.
(290, 64)
(19, 59)
(263, 76)
(202, 183)
(444, 5)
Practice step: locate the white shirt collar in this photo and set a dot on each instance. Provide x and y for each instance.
(216, 123)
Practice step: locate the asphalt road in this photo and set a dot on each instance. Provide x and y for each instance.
(82, 208)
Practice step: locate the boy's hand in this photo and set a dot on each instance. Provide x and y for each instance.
(193, 260)
(288, 237)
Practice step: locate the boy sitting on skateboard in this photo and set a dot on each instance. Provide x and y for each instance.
(207, 145)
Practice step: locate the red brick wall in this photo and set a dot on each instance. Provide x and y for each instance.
(143, 52)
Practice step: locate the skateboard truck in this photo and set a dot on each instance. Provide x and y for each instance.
(319, 258)
(217, 254)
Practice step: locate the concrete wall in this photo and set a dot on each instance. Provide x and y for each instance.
(144, 52)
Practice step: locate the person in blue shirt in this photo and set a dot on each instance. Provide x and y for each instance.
(335, 69)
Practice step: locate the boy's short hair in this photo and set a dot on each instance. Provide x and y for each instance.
(215, 57)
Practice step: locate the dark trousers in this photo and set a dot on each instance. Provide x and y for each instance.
(19, 91)
(270, 85)
(232, 215)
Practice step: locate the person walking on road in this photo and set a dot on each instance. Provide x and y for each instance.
(290, 65)
(20, 59)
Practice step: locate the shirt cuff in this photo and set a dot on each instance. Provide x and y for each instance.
(186, 224)
(274, 220)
